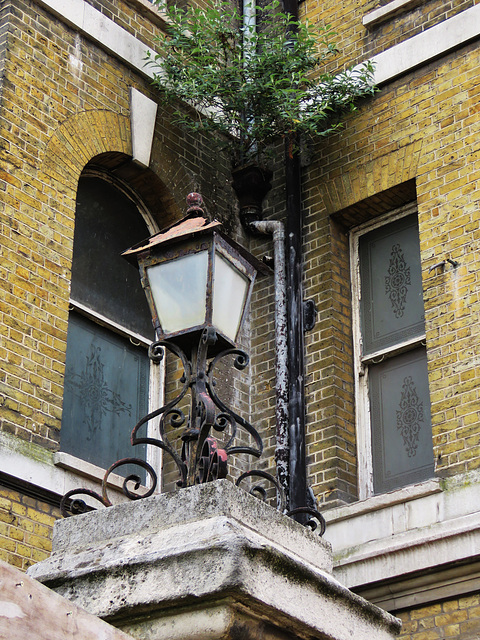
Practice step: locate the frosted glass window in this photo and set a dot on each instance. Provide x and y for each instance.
(179, 290)
(391, 303)
(401, 424)
(107, 375)
(394, 387)
(229, 293)
(106, 393)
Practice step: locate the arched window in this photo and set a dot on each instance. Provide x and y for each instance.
(107, 368)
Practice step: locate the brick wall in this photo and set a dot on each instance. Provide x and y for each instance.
(458, 618)
(64, 103)
(64, 107)
(423, 128)
(356, 43)
(26, 525)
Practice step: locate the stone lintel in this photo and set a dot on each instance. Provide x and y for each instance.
(204, 561)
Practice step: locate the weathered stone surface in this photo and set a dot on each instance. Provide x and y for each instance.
(30, 610)
(202, 562)
(158, 513)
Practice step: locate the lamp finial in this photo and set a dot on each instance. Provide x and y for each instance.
(195, 204)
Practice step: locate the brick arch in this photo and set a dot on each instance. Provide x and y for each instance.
(82, 137)
(358, 182)
(96, 135)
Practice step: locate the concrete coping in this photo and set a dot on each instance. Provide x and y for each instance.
(159, 560)
(154, 514)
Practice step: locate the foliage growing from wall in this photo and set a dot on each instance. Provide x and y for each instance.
(253, 85)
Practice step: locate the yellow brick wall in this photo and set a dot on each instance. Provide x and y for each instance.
(26, 526)
(356, 43)
(64, 103)
(458, 618)
(418, 134)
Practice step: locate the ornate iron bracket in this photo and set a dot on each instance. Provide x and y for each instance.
(203, 456)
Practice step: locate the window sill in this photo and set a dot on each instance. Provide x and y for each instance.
(392, 9)
(398, 496)
(410, 546)
(32, 464)
(86, 470)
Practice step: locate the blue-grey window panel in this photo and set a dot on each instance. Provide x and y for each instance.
(401, 422)
(106, 393)
(391, 305)
(107, 223)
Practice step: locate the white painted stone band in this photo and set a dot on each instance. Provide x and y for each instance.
(389, 10)
(389, 64)
(427, 46)
(57, 472)
(103, 31)
(427, 527)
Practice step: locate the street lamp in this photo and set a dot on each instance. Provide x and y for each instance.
(198, 283)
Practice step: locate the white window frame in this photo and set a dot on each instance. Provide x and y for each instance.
(361, 364)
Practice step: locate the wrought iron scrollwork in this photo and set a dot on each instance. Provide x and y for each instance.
(203, 457)
(259, 490)
(314, 521)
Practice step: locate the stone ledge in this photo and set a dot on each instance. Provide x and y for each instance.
(434, 532)
(204, 548)
(157, 513)
(388, 11)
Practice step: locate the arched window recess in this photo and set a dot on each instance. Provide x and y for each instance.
(109, 381)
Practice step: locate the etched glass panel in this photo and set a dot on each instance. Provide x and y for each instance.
(391, 303)
(106, 393)
(229, 292)
(401, 424)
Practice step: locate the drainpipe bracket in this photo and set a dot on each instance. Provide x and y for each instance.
(309, 314)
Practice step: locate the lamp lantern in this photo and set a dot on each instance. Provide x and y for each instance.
(195, 278)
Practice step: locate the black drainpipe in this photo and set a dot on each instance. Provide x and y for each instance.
(296, 364)
(296, 380)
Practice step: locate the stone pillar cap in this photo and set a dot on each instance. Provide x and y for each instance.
(207, 552)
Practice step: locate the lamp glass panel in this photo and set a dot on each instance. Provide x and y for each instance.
(230, 289)
(179, 291)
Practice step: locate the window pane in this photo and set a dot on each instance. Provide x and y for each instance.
(106, 393)
(391, 285)
(229, 292)
(401, 424)
(179, 289)
(107, 223)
